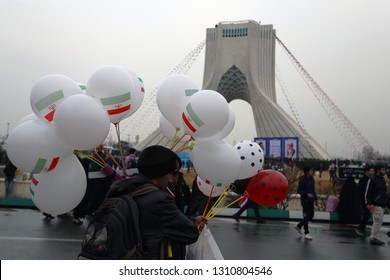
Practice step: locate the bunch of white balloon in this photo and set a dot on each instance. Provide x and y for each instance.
(69, 116)
(205, 117)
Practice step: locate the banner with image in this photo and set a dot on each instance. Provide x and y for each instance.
(279, 147)
(290, 148)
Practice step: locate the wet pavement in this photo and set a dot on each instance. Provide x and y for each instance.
(26, 235)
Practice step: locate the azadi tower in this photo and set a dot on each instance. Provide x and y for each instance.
(240, 64)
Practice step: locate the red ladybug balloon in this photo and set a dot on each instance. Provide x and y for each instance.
(268, 187)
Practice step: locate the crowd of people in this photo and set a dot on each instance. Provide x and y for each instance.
(173, 213)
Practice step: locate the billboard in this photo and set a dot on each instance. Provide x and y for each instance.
(279, 147)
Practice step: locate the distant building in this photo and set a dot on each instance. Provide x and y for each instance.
(240, 64)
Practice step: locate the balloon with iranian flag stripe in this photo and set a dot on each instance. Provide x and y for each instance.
(114, 88)
(62, 190)
(224, 132)
(209, 190)
(34, 146)
(206, 113)
(139, 92)
(172, 95)
(48, 93)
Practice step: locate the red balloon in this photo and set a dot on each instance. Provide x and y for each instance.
(268, 187)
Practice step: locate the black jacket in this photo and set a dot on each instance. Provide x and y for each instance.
(160, 219)
(306, 185)
(363, 187)
(377, 191)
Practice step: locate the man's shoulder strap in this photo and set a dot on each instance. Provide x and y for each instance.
(146, 188)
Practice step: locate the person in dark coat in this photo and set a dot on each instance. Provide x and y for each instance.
(199, 200)
(376, 196)
(165, 230)
(97, 188)
(306, 189)
(239, 187)
(182, 194)
(349, 206)
(9, 173)
(365, 213)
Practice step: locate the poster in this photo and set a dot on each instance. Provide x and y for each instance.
(275, 148)
(290, 148)
(263, 144)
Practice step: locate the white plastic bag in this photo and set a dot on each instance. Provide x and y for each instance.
(205, 248)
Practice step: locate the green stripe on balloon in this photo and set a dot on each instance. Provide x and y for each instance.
(194, 116)
(39, 166)
(82, 87)
(190, 92)
(116, 99)
(49, 99)
(31, 191)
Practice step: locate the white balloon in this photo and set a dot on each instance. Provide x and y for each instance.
(216, 162)
(208, 189)
(62, 190)
(28, 117)
(48, 93)
(139, 92)
(34, 146)
(172, 95)
(83, 87)
(206, 113)
(172, 133)
(225, 131)
(82, 122)
(252, 158)
(113, 87)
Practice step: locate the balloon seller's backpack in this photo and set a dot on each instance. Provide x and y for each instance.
(113, 232)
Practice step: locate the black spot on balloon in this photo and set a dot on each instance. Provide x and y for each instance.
(263, 184)
(252, 164)
(252, 153)
(242, 157)
(239, 147)
(274, 188)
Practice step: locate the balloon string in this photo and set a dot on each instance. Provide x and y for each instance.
(174, 142)
(120, 146)
(182, 147)
(230, 204)
(208, 201)
(219, 200)
(112, 158)
(97, 154)
(90, 157)
(185, 146)
(184, 134)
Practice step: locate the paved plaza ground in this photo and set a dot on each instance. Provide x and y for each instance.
(26, 235)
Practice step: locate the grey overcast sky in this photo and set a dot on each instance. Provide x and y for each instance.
(344, 45)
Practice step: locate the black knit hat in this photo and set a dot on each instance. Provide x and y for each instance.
(157, 161)
(307, 169)
(379, 166)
